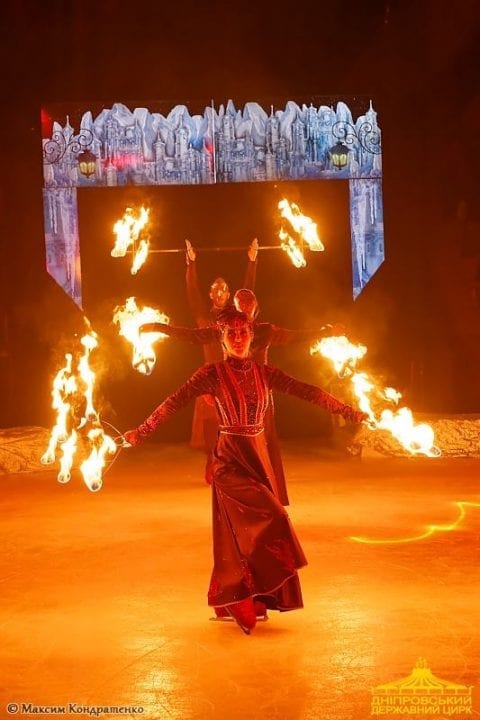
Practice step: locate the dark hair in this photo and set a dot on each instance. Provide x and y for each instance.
(248, 292)
(229, 315)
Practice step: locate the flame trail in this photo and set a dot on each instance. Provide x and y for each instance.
(431, 529)
(129, 317)
(304, 227)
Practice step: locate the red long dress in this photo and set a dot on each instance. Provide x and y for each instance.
(256, 552)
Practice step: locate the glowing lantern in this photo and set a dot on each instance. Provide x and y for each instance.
(339, 155)
(86, 162)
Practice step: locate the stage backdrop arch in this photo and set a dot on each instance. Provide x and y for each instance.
(194, 144)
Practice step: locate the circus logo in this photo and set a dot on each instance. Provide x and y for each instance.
(422, 693)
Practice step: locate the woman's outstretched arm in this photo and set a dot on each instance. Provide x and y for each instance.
(278, 380)
(202, 382)
(197, 336)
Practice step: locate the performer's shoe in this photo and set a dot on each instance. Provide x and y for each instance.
(222, 613)
(260, 611)
(244, 614)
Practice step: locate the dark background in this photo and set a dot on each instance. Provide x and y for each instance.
(419, 62)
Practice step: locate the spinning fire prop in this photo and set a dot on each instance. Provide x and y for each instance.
(78, 422)
(304, 227)
(129, 317)
(128, 231)
(417, 439)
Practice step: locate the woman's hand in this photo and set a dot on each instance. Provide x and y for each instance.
(360, 416)
(191, 254)
(253, 250)
(132, 437)
(335, 330)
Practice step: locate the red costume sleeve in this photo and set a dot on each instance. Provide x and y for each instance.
(202, 382)
(278, 380)
(197, 336)
(197, 304)
(282, 336)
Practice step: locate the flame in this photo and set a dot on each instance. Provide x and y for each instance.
(92, 467)
(140, 256)
(392, 394)
(418, 439)
(66, 461)
(303, 225)
(127, 231)
(64, 385)
(89, 342)
(69, 388)
(293, 250)
(343, 354)
(129, 317)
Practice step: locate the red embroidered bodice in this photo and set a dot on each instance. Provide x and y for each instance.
(241, 391)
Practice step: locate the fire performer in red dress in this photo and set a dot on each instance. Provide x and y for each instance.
(205, 423)
(265, 334)
(256, 552)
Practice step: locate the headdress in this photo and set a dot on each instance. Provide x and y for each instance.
(229, 315)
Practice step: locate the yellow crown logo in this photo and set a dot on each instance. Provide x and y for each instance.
(422, 681)
(421, 693)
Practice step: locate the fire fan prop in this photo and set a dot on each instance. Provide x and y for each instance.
(129, 317)
(417, 439)
(78, 422)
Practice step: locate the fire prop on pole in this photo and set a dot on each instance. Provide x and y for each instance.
(305, 229)
(129, 228)
(129, 317)
(417, 439)
(77, 419)
(293, 250)
(129, 231)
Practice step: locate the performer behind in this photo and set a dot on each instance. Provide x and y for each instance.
(205, 424)
(256, 551)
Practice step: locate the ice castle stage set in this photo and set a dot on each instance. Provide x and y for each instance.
(118, 146)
